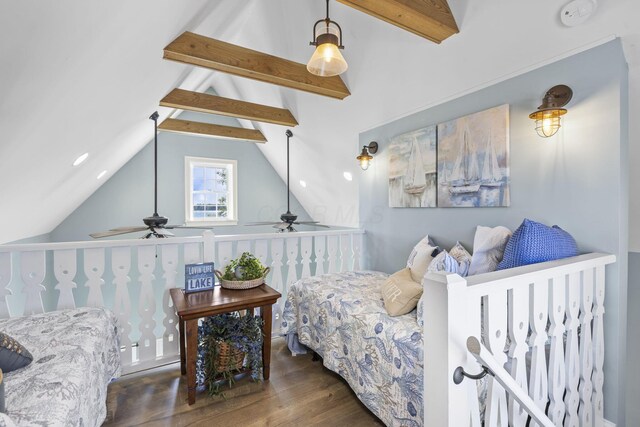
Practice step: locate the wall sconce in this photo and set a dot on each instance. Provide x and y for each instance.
(366, 156)
(548, 115)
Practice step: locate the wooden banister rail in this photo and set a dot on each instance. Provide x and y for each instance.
(486, 359)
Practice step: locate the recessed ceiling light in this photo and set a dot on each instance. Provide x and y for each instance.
(80, 159)
(303, 184)
(101, 174)
(348, 176)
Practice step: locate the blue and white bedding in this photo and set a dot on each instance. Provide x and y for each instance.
(342, 318)
(75, 355)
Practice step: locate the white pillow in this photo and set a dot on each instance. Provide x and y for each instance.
(488, 248)
(463, 257)
(420, 258)
(456, 261)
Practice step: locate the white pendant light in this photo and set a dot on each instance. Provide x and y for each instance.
(327, 61)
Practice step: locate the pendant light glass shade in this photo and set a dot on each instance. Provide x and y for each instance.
(327, 60)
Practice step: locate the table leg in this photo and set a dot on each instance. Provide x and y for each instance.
(192, 350)
(265, 312)
(183, 354)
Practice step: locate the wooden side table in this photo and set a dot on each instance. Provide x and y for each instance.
(191, 307)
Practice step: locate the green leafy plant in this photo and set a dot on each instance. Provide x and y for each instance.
(243, 332)
(247, 267)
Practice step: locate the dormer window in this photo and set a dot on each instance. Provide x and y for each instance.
(211, 191)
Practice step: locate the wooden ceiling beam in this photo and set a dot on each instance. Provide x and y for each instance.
(194, 49)
(211, 130)
(431, 19)
(212, 104)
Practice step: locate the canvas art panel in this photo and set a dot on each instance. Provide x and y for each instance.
(473, 160)
(412, 169)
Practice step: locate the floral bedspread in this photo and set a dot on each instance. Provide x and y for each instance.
(75, 356)
(342, 318)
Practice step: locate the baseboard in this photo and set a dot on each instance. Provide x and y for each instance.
(608, 423)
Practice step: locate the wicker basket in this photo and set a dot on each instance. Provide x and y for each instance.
(229, 358)
(242, 284)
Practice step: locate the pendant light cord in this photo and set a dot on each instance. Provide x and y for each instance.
(288, 192)
(327, 11)
(154, 117)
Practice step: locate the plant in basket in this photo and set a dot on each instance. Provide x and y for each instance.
(227, 343)
(243, 273)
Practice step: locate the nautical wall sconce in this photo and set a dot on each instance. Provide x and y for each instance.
(548, 116)
(366, 156)
(327, 60)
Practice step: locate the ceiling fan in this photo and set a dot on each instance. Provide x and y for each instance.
(287, 219)
(155, 225)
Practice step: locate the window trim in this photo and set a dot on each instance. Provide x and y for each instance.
(189, 164)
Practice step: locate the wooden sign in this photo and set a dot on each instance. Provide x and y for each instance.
(198, 277)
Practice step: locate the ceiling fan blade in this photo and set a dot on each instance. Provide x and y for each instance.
(312, 224)
(110, 233)
(130, 229)
(251, 224)
(195, 227)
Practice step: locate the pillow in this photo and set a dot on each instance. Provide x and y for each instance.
(534, 242)
(13, 355)
(488, 248)
(400, 293)
(463, 257)
(447, 262)
(420, 258)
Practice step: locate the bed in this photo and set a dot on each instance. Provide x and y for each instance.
(75, 356)
(341, 317)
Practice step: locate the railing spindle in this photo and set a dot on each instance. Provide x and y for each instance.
(94, 269)
(33, 267)
(518, 329)
(6, 274)
(64, 268)
(146, 303)
(557, 373)
(539, 313)
(120, 265)
(169, 266)
(585, 412)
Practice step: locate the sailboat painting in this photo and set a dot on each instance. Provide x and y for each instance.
(473, 160)
(412, 169)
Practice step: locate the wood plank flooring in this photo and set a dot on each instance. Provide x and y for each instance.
(299, 393)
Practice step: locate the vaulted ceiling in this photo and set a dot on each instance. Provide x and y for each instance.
(83, 76)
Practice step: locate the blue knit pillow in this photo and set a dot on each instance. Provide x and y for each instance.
(533, 242)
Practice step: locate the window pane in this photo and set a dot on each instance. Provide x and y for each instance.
(210, 173)
(198, 184)
(210, 185)
(198, 173)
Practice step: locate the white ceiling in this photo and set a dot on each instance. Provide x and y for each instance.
(83, 76)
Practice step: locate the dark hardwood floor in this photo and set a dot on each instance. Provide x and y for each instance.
(299, 393)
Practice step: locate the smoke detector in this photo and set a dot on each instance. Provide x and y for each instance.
(577, 12)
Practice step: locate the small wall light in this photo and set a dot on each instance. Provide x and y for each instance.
(548, 115)
(366, 156)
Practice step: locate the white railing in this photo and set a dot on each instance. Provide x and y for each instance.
(542, 323)
(132, 278)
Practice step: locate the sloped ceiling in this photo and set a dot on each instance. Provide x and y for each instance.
(83, 76)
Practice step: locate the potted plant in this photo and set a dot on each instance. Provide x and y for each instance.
(227, 343)
(243, 273)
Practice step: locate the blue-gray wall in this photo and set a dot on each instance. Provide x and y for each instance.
(633, 341)
(127, 196)
(577, 179)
